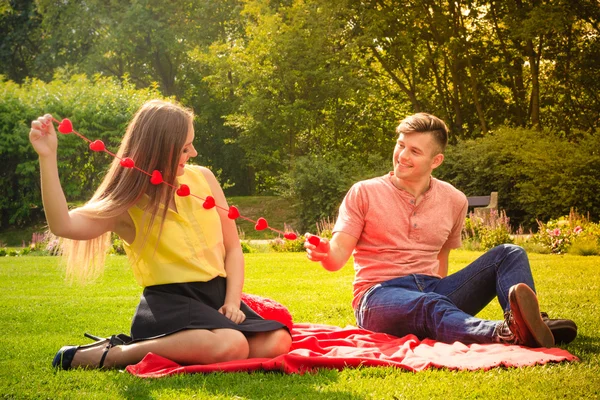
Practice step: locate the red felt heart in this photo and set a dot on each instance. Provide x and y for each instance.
(184, 190)
(65, 126)
(314, 240)
(97, 145)
(127, 162)
(261, 224)
(156, 178)
(209, 202)
(233, 212)
(290, 236)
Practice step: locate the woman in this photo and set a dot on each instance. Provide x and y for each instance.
(187, 258)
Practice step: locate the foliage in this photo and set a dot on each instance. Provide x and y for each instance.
(574, 233)
(538, 175)
(246, 248)
(486, 231)
(317, 184)
(280, 245)
(272, 81)
(324, 229)
(585, 246)
(100, 108)
(275, 209)
(116, 247)
(296, 90)
(20, 27)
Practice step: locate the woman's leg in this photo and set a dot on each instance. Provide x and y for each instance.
(192, 346)
(269, 344)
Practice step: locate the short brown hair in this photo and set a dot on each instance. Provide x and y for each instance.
(426, 123)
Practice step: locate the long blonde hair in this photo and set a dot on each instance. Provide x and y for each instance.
(154, 139)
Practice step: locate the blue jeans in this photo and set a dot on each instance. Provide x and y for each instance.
(444, 308)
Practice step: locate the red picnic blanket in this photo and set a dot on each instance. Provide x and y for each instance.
(324, 346)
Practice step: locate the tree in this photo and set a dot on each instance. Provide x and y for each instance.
(21, 40)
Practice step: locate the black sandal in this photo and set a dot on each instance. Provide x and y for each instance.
(64, 357)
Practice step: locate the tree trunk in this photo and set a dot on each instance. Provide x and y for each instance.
(534, 103)
(478, 107)
(514, 69)
(439, 85)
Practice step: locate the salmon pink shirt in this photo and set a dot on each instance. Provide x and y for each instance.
(396, 237)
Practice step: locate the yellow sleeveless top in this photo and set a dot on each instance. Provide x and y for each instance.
(190, 248)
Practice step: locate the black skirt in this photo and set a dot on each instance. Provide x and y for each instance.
(170, 308)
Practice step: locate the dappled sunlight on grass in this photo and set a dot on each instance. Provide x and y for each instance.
(40, 313)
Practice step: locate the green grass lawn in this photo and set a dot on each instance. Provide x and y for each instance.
(40, 313)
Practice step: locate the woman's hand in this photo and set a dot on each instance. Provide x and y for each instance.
(43, 136)
(233, 313)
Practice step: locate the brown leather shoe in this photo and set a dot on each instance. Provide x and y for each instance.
(563, 330)
(524, 319)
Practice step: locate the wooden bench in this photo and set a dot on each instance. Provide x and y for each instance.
(483, 204)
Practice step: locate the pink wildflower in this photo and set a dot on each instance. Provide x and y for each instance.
(577, 230)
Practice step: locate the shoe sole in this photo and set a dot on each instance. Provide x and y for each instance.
(564, 331)
(564, 335)
(526, 311)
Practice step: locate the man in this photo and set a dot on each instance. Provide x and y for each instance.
(401, 227)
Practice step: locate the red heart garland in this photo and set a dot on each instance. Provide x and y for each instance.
(97, 145)
(127, 162)
(290, 236)
(184, 190)
(314, 240)
(233, 212)
(261, 224)
(209, 202)
(65, 126)
(157, 178)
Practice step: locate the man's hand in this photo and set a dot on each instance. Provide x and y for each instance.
(333, 253)
(233, 313)
(316, 252)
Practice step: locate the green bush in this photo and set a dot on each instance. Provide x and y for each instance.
(3, 252)
(491, 238)
(99, 108)
(316, 185)
(325, 228)
(287, 246)
(483, 232)
(585, 246)
(246, 248)
(573, 233)
(538, 175)
(116, 246)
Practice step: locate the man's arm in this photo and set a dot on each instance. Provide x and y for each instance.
(333, 254)
(442, 257)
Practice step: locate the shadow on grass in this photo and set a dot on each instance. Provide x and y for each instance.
(584, 345)
(254, 385)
